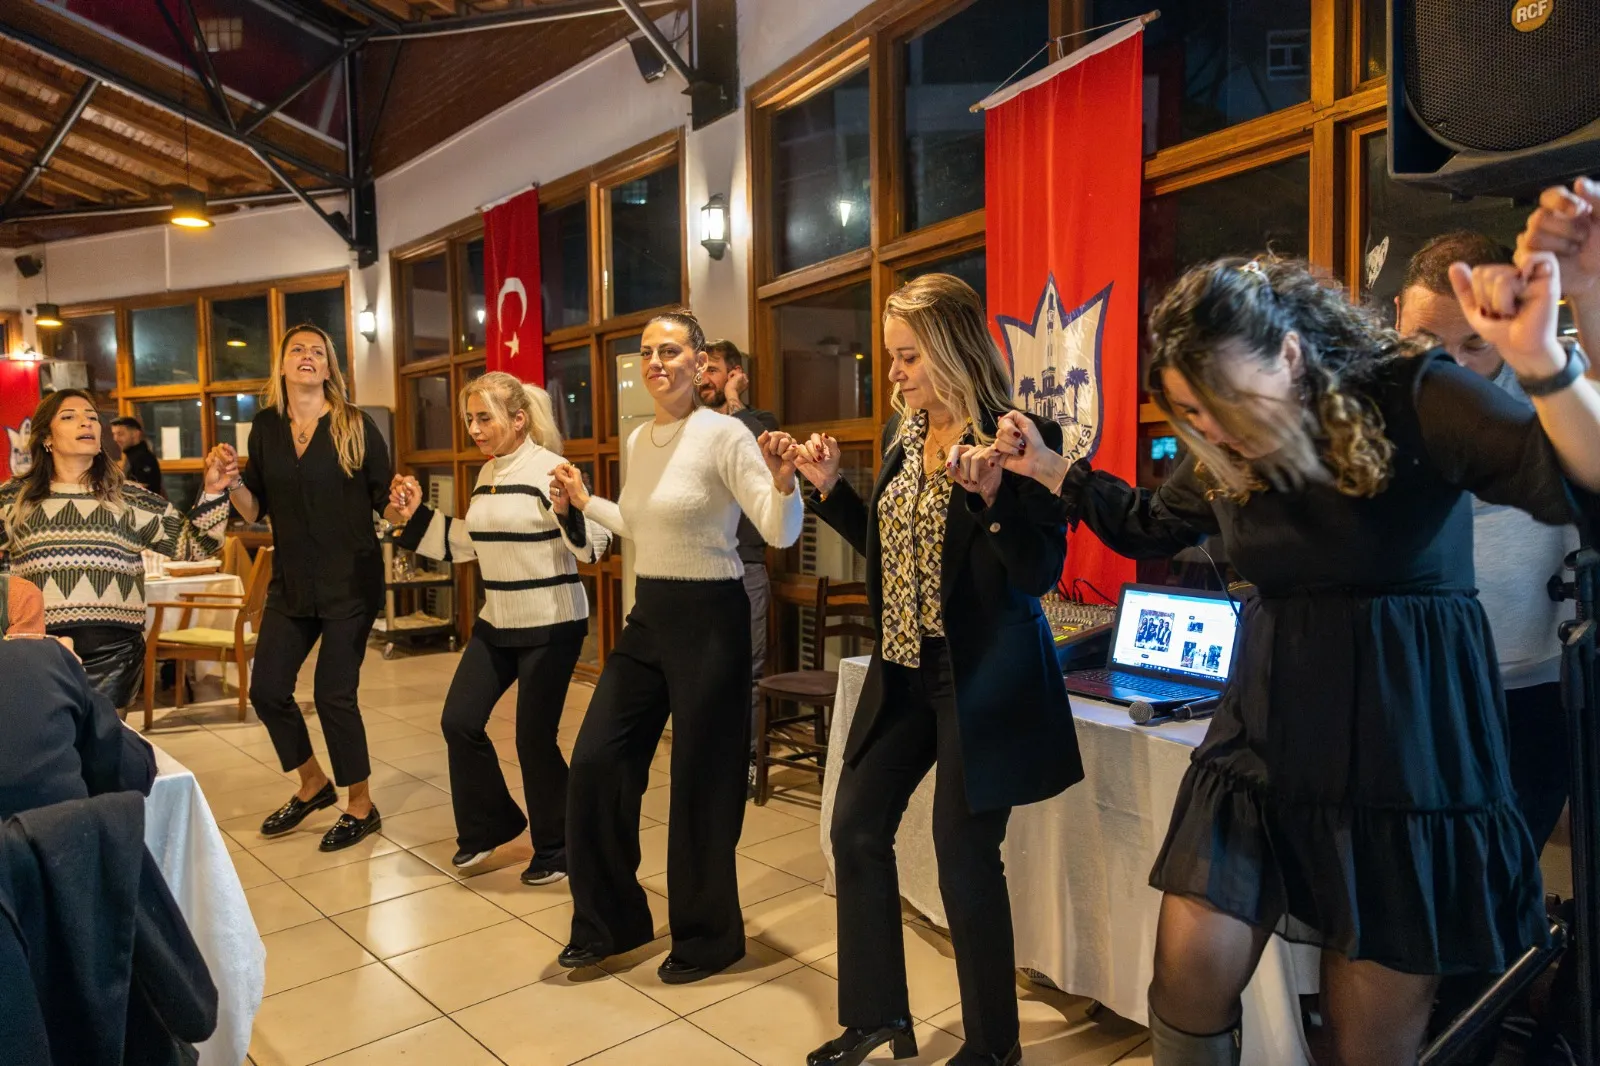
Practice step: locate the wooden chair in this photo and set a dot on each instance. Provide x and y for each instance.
(236, 559)
(186, 644)
(841, 611)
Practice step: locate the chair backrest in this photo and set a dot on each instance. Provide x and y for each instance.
(235, 558)
(841, 611)
(255, 591)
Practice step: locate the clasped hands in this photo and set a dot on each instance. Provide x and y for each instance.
(976, 468)
(222, 468)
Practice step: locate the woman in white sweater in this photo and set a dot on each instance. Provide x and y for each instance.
(527, 541)
(685, 652)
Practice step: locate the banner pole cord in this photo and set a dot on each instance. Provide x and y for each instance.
(1146, 18)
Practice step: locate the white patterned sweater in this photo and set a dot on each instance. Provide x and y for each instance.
(87, 557)
(681, 500)
(527, 558)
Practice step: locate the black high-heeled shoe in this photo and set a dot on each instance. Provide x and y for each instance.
(854, 1045)
(1010, 1058)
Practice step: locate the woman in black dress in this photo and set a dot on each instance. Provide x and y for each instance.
(1353, 790)
(319, 467)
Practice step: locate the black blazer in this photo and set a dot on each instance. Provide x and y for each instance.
(1018, 740)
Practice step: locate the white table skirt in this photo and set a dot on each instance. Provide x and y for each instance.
(183, 836)
(166, 590)
(1078, 865)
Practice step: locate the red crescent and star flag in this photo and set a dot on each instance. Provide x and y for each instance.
(1065, 165)
(514, 315)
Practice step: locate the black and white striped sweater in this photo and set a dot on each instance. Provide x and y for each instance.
(527, 557)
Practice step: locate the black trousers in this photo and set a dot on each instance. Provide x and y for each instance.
(486, 815)
(685, 652)
(281, 649)
(916, 729)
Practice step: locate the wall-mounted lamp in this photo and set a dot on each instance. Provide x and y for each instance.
(714, 227)
(367, 323)
(47, 316)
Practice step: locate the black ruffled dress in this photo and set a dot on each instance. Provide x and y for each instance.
(1353, 789)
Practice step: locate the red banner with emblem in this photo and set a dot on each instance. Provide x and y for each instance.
(19, 395)
(1065, 162)
(514, 313)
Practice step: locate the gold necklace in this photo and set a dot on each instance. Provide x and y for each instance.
(941, 450)
(304, 435)
(681, 422)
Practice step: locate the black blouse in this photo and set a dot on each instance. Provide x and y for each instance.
(328, 563)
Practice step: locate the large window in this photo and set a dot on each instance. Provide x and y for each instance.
(612, 244)
(822, 175)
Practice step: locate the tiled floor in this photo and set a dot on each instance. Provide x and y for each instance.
(383, 953)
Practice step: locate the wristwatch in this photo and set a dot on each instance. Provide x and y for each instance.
(1577, 364)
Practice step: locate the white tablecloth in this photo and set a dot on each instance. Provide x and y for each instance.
(183, 836)
(166, 590)
(1078, 868)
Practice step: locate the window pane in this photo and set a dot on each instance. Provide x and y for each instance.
(473, 311)
(824, 346)
(432, 414)
(165, 346)
(1401, 219)
(1374, 38)
(971, 267)
(182, 489)
(1211, 64)
(472, 373)
(427, 290)
(171, 428)
(629, 377)
(241, 339)
(92, 339)
(324, 308)
(948, 69)
(564, 265)
(233, 414)
(646, 243)
(821, 175)
(566, 379)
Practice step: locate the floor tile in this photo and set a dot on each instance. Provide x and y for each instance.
(348, 888)
(389, 729)
(560, 1021)
(766, 823)
(1139, 1056)
(679, 1044)
(432, 766)
(930, 971)
(638, 969)
(440, 852)
(222, 780)
(798, 853)
(440, 1042)
(504, 888)
(1056, 1030)
(334, 1015)
(657, 803)
(803, 923)
(297, 854)
(416, 828)
(252, 873)
(309, 953)
(780, 1022)
(258, 800)
(479, 966)
(403, 797)
(757, 881)
(556, 922)
(276, 907)
(410, 922)
(400, 747)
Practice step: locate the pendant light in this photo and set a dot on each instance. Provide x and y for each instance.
(188, 203)
(46, 314)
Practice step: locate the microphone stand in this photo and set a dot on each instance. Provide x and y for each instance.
(1580, 971)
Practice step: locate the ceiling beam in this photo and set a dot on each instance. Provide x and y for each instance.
(254, 120)
(553, 11)
(59, 134)
(386, 13)
(276, 196)
(200, 61)
(54, 177)
(87, 133)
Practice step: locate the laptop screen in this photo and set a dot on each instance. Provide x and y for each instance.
(1173, 632)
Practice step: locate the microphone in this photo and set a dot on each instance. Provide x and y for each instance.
(1144, 713)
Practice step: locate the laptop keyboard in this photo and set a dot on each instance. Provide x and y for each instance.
(1144, 685)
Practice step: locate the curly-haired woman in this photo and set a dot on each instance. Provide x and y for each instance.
(1353, 790)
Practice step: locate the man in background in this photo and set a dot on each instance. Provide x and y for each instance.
(139, 463)
(723, 387)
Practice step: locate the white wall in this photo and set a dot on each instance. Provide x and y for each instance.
(594, 111)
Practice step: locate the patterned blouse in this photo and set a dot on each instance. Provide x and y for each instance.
(911, 524)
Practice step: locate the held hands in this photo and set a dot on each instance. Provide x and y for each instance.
(1514, 309)
(566, 485)
(817, 460)
(405, 496)
(1023, 451)
(977, 470)
(776, 447)
(1567, 224)
(222, 468)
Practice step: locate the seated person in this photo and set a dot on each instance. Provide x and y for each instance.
(21, 608)
(60, 739)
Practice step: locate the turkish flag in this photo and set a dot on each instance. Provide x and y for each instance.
(515, 316)
(1064, 171)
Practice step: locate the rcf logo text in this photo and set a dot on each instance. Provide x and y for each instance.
(1531, 14)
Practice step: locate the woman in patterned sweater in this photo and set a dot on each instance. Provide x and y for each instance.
(75, 528)
(527, 541)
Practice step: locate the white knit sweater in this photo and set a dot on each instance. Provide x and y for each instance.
(527, 557)
(681, 501)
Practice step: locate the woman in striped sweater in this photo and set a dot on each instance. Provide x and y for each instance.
(527, 541)
(75, 528)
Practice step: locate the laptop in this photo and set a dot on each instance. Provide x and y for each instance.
(1170, 646)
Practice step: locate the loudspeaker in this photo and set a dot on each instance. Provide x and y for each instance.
(29, 265)
(1493, 97)
(651, 66)
(715, 92)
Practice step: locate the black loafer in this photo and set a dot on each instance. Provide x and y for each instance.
(573, 957)
(674, 971)
(296, 810)
(348, 830)
(854, 1045)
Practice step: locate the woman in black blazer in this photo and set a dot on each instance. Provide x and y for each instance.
(964, 677)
